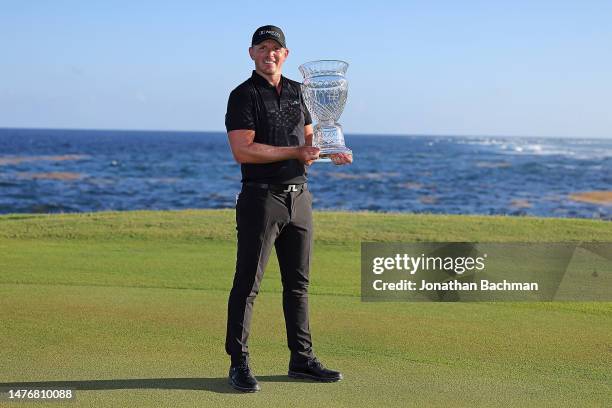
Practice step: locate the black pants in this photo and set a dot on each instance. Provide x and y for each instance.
(264, 218)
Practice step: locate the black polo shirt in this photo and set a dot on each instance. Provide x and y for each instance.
(277, 120)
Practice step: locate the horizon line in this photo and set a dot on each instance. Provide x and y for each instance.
(357, 134)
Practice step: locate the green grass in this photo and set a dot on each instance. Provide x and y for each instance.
(129, 308)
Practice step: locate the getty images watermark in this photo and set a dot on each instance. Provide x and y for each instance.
(468, 271)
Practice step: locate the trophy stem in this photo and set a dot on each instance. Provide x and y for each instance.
(328, 123)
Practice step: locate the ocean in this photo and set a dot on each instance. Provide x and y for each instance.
(53, 171)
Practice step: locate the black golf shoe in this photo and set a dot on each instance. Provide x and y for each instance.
(241, 378)
(313, 370)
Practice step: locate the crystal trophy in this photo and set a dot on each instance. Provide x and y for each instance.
(325, 89)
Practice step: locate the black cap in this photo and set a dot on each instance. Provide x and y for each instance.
(269, 32)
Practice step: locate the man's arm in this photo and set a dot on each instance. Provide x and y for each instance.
(245, 150)
(308, 133)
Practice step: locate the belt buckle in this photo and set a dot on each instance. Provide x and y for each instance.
(290, 187)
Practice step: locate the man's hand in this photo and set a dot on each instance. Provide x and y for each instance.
(341, 158)
(307, 154)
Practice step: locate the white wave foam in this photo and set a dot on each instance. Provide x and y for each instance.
(576, 149)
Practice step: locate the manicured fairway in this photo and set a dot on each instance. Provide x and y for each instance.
(129, 309)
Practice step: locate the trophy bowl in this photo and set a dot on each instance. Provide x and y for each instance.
(325, 90)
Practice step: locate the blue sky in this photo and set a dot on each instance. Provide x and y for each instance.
(526, 68)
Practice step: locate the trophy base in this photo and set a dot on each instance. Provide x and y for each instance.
(325, 153)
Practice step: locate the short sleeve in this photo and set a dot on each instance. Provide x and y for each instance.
(307, 117)
(240, 110)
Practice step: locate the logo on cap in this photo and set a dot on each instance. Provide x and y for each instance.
(274, 33)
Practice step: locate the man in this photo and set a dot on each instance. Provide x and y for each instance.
(270, 135)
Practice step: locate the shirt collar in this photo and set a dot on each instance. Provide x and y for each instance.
(259, 80)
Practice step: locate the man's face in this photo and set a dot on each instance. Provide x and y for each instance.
(269, 56)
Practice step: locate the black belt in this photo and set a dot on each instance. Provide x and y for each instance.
(278, 188)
